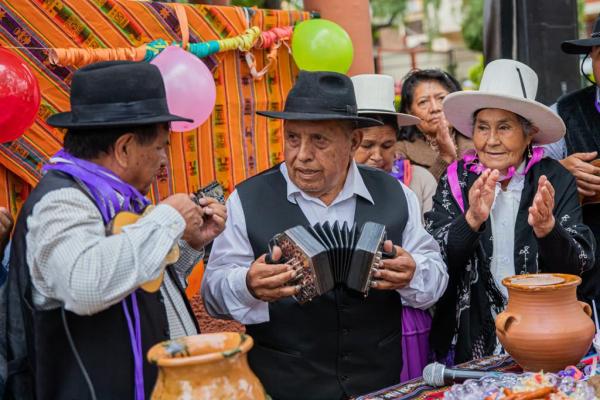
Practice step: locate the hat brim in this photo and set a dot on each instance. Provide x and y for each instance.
(65, 120)
(580, 46)
(362, 122)
(403, 119)
(459, 108)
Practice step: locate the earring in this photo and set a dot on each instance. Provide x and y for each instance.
(529, 151)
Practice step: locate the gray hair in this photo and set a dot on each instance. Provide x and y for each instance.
(526, 125)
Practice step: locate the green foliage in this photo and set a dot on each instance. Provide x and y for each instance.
(431, 10)
(472, 24)
(476, 72)
(581, 17)
(388, 8)
(248, 3)
(388, 11)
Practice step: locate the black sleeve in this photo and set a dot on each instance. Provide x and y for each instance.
(569, 247)
(462, 242)
(448, 226)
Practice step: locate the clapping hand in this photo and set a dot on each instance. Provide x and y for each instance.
(481, 198)
(541, 217)
(395, 273)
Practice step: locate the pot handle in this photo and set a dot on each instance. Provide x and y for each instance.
(586, 308)
(504, 321)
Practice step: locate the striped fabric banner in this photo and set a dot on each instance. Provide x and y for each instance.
(231, 146)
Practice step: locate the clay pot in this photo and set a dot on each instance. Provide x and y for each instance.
(202, 367)
(544, 327)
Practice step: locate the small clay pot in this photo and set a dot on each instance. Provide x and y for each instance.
(544, 327)
(205, 367)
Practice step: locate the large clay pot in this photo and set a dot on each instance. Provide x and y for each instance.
(205, 367)
(544, 327)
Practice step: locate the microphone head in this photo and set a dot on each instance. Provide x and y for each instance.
(433, 374)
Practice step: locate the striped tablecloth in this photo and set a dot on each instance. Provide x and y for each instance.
(418, 389)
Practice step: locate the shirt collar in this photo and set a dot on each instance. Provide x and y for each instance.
(354, 185)
(517, 182)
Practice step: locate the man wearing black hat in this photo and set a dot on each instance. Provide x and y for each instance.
(78, 327)
(340, 344)
(580, 110)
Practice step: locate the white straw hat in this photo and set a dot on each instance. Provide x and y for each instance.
(375, 95)
(508, 85)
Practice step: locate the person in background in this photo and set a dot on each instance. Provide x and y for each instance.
(6, 224)
(433, 143)
(502, 210)
(580, 110)
(375, 99)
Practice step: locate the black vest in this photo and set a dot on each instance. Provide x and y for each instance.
(339, 344)
(582, 119)
(46, 369)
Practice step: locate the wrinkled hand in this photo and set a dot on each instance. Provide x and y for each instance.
(215, 215)
(191, 213)
(6, 225)
(444, 140)
(541, 217)
(267, 282)
(587, 175)
(481, 198)
(395, 273)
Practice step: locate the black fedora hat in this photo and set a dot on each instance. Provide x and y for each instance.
(116, 93)
(583, 46)
(320, 96)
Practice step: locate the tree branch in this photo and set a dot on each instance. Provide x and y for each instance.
(389, 23)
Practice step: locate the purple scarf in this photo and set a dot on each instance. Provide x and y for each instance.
(401, 171)
(472, 164)
(104, 186)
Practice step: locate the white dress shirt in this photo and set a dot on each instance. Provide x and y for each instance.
(224, 285)
(558, 149)
(503, 218)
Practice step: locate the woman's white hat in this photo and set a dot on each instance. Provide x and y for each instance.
(507, 85)
(375, 95)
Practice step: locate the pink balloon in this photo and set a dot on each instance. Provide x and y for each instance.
(189, 85)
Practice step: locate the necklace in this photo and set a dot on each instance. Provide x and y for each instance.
(433, 143)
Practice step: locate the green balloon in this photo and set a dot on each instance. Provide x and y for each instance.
(322, 45)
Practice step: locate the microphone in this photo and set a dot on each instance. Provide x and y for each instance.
(436, 374)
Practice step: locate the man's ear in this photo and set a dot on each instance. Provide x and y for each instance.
(123, 150)
(356, 138)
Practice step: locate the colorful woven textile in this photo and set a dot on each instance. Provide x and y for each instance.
(232, 146)
(419, 390)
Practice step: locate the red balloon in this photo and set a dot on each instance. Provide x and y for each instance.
(19, 96)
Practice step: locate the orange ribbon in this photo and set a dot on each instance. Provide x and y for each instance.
(79, 57)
